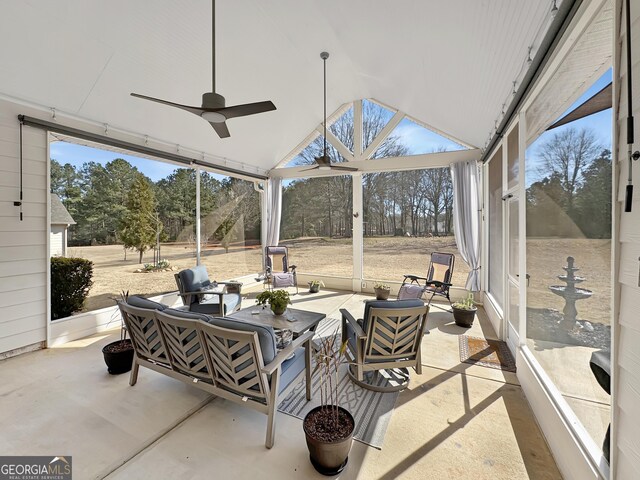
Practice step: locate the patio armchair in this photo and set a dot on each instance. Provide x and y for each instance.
(437, 281)
(381, 346)
(201, 295)
(235, 360)
(278, 272)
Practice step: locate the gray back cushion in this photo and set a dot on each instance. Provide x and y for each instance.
(194, 279)
(266, 335)
(140, 302)
(187, 315)
(387, 304)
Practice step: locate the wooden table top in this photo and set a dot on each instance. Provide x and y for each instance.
(298, 321)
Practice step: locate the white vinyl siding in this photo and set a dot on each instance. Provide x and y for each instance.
(23, 245)
(627, 360)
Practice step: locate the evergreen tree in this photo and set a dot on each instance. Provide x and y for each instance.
(138, 226)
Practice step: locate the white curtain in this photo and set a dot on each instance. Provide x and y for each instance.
(274, 210)
(466, 217)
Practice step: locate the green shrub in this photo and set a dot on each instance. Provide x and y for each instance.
(70, 284)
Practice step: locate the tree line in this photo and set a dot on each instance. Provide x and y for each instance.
(116, 204)
(572, 197)
(417, 202)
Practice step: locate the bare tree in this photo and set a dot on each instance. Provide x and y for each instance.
(566, 154)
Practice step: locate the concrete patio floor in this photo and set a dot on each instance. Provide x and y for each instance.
(454, 421)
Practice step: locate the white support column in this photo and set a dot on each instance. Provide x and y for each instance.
(197, 215)
(264, 218)
(522, 225)
(357, 130)
(358, 232)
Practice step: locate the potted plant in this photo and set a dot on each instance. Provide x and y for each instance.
(314, 286)
(278, 299)
(328, 428)
(382, 291)
(464, 311)
(118, 355)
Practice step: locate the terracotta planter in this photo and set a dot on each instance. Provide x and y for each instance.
(382, 294)
(464, 318)
(118, 356)
(328, 458)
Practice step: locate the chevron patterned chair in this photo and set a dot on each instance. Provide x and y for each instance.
(382, 346)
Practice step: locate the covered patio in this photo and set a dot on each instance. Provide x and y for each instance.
(471, 88)
(456, 419)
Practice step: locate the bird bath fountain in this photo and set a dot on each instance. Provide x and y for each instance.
(571, 294)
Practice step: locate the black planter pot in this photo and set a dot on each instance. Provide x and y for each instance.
(119, 361)
(464, 318)
(328, 458)
(314, 288)
(382, 294)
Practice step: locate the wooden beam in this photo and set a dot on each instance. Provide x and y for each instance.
(384, 133)
(392, 164)
(312, 136)
(337, 144)
(357, 130)
(299, 148)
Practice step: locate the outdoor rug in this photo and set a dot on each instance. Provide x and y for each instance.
(371, 410)
(486, 353)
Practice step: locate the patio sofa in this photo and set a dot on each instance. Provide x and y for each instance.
(234, 360)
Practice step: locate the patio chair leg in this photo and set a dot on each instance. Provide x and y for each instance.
(273, 408)
(134, 372)
(419, 363)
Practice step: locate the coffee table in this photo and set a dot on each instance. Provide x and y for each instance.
(298, 321)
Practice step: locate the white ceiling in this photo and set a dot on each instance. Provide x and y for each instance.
(449, 64)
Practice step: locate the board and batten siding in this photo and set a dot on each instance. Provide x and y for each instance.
(23, 244)
(626, 429)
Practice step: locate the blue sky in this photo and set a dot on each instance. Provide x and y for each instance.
(599, 122)
(420, 140)
(76, 155)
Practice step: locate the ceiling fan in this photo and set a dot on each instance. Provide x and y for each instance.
(213, 108)
(323, 162)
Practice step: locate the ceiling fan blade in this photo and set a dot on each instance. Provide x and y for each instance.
(195, 110)
(221, 129)
(346, 169)
(246, 109)
(311, 168)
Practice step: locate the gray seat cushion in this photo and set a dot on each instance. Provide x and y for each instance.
(141, 302)
(291, 369)
(211, 306)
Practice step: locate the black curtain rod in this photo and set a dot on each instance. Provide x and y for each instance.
(560, 23)
(114, 142)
